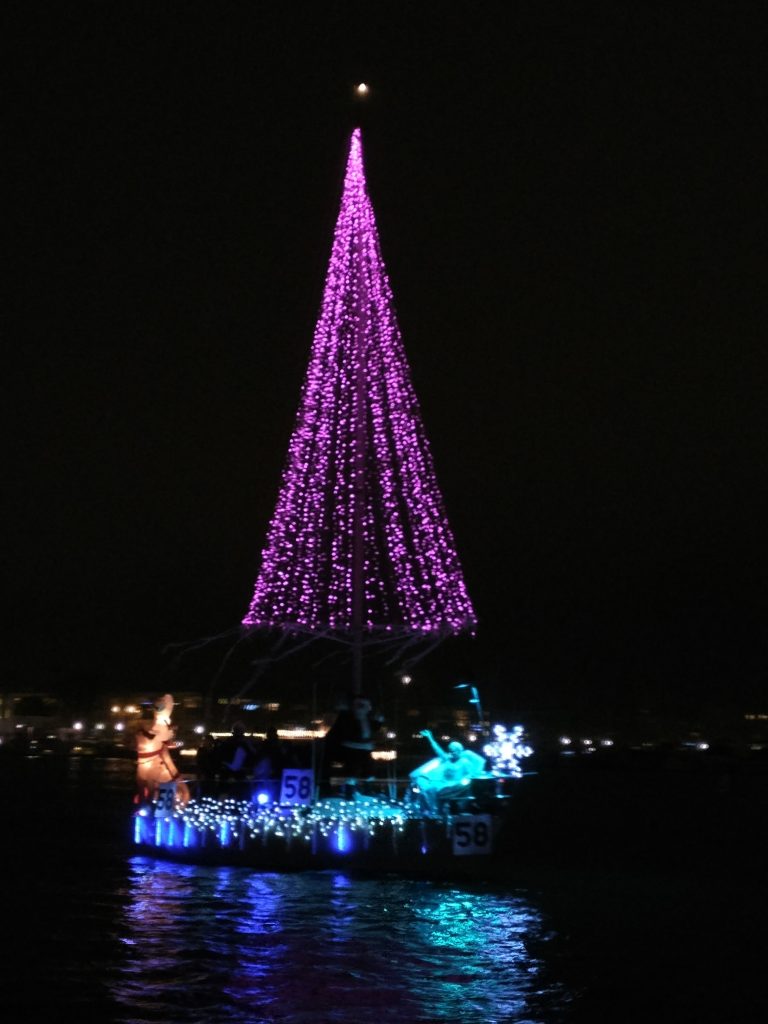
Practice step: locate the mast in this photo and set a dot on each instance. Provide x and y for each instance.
(360, 446)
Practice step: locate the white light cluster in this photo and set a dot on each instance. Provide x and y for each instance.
(227, 818)
(506, 750)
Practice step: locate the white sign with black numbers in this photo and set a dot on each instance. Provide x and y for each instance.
(297, 786)
(472, 834)
(166, 798)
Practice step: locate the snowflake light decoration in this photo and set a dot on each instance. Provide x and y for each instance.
(506, 750)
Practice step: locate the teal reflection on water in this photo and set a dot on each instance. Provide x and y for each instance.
(473, 943)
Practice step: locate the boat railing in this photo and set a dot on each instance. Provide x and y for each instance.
(269, 790)
(391, 787)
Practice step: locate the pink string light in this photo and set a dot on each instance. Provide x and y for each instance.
(359, 459)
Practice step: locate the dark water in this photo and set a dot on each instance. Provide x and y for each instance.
(92, 929)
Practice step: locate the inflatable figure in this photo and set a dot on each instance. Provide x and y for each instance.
(448, 775)
(154, 764)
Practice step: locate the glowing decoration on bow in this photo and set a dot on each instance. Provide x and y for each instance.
(359, 538)
(506, 750)
(154, 764)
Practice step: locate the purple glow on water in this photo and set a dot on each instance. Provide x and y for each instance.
(358, 385)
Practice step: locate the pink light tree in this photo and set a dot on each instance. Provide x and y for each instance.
(359, 542)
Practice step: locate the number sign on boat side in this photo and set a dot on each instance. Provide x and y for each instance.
(166, 798)
(472, 834)
(297, 786)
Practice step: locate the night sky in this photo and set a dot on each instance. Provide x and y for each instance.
(569, 205)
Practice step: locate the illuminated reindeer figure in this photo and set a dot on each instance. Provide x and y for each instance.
(154, 764)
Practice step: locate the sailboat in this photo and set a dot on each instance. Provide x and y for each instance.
(360, 551)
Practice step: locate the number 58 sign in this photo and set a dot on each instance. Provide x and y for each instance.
(166, 798)
(297, 786)
(472, 834)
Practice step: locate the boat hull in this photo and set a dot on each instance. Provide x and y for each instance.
(454, 845)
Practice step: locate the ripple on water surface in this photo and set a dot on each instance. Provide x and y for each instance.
(218, 945)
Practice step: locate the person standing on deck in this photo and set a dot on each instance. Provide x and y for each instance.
(350, 740)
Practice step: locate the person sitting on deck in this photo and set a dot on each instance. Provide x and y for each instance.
(448, 775)
(237, 754)
(207, 760)
(272, 756)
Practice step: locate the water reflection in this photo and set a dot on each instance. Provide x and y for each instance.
(472, 944)
(226, 945)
